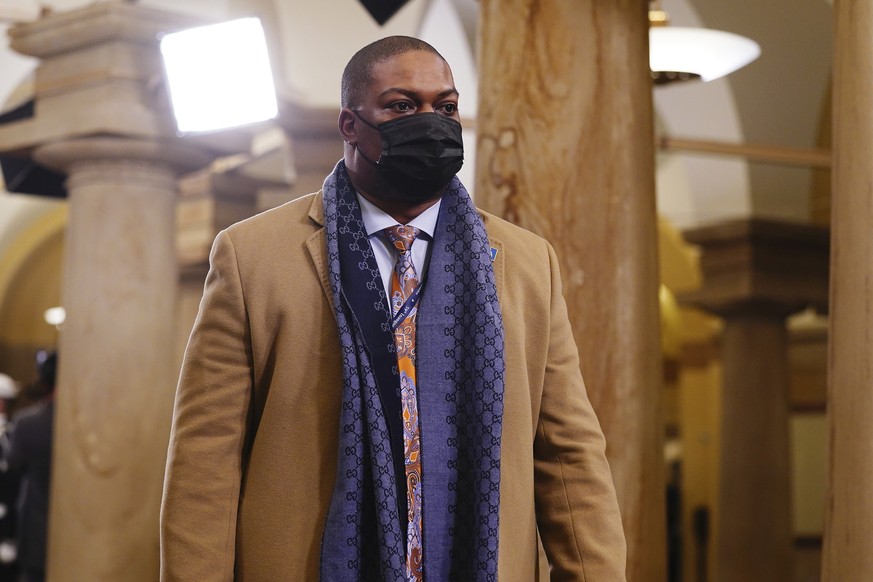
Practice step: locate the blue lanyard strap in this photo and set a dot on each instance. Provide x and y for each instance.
(406, 308)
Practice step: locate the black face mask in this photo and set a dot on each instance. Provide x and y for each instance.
(420, 153)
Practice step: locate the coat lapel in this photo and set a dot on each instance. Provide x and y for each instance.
(317, 246)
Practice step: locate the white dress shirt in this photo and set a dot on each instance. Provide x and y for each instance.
(375, 220)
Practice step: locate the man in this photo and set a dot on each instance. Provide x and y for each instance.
(30, 455)
(382, 383)
(9, 481)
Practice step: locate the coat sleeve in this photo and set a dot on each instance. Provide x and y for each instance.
(577, 509)
(204, 464)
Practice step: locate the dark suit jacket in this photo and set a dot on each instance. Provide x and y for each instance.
(30, 453)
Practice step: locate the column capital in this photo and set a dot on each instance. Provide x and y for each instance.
(762, 268)
(97, 23)
(100, 74)
(66, 156)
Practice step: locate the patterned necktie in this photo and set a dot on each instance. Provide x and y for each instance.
(404, 284)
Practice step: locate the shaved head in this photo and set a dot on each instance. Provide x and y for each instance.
(357, 74)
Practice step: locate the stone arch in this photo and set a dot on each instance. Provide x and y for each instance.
(31, 273)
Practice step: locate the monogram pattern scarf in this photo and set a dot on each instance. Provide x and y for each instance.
(460, 370)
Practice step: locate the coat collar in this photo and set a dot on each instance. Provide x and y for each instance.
(316, 209)
(316, 244)
(317, 247)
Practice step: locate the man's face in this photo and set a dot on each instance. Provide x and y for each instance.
(406, 84)
(413, 82)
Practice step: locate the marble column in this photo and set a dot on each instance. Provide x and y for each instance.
(102, 117)
(565, 150)
(754, 541)
(118, 366)
(756, 273)
(847, 553)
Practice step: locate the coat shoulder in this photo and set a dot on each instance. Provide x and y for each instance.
(33, 414)
(517, 242)
(499, 226)
(299, 218)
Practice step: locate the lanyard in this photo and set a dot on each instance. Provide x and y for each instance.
(406, 308)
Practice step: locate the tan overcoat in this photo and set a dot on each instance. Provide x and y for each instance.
(253, 449)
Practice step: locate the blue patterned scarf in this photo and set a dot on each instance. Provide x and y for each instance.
(460, 370)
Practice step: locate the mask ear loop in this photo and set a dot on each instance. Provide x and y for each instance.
(363, 155)
(358, 115)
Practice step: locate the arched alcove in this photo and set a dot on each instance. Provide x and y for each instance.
(31, 273)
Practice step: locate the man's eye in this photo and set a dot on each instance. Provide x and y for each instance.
(401, 106)
(450, 108)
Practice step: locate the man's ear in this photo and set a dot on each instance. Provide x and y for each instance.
(348, 127)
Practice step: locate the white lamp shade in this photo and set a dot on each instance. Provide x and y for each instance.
(219, 75)
(699, 51)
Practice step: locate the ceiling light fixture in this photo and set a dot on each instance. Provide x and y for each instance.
(680, 53)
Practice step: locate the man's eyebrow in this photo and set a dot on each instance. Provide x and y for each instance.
(415, 96)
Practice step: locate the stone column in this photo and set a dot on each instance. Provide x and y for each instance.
(754, 537)
(565, 110)
(849, 519)
(118, 367)
(102, 117)
(756, 273)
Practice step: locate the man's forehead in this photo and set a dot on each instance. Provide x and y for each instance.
(412, 66)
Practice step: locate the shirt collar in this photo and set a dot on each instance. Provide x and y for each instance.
(376, 220)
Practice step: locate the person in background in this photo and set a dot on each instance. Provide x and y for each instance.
(30, 453)
(8, 486)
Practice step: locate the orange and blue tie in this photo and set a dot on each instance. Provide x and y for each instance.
(404, 295)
